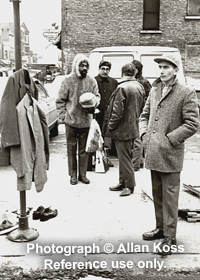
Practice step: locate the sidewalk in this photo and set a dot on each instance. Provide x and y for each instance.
(92, 215)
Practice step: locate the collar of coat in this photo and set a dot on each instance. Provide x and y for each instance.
(158, 82)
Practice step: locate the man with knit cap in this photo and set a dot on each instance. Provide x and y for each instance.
(76, 118)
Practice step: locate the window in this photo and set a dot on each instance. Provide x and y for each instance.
(151, 14)
(193, 8)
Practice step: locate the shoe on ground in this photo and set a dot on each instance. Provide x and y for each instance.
(167, 246)
(83, 179)
(37, 213)
(73, 180)
(126, 192)
(48, 214)
(153, 235)
(119, 187)
(6, 226)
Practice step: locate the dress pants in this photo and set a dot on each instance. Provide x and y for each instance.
(126, 170)
(77, 138)
(137, 152)
(165, 188)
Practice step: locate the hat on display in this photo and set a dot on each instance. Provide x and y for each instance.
(171, 58)
(88, 100)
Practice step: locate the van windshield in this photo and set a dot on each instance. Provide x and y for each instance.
(117, 61)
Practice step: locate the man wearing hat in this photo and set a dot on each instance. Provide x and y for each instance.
(106, 85)
(73, 109)
(138, 160)
(169, 117)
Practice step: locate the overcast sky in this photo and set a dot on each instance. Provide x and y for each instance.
(37, 15)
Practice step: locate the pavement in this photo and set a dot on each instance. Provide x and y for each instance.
(96, 231)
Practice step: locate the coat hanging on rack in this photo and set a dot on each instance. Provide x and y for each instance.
(24, 131)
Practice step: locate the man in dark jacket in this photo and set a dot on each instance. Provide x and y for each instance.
(121, 124)
(106, 86)
(138, 145)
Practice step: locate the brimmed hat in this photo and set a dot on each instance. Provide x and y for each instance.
(88, 100)
(171, 58)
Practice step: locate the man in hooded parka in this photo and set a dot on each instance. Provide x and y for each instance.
(77, 120)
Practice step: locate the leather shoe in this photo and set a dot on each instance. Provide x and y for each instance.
(73, 180)
(119, 187)
(167, 245)
(84, 179)
(126, 192)
(38, 212)
(47, 214)
(153, 235)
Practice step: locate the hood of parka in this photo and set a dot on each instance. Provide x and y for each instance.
(76, 62)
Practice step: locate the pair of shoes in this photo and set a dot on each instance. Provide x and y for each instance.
(119, 187)
(153, 235)
(126, 192)
(6, 226)
(83, 179)
(168, 246)
(73, 180)
(44, 214)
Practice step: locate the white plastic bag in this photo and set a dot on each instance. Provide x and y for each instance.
(94, 141)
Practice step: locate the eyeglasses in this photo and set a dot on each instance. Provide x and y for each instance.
(105, 69)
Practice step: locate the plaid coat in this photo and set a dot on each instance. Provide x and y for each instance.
(168, 122)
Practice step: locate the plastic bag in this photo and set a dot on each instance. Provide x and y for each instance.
(94, 141)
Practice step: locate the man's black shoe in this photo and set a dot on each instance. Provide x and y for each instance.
(73, 180)
(153, 235)
(119, 187)
(126, 192)
(38, 212)
(48, 214)
(168, 246)
(84, 179)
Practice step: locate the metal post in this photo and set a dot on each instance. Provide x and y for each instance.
(23, 233)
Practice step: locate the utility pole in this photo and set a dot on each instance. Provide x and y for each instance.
(23, 233)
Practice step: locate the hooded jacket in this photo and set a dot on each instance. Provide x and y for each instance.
(73, 86)
(168, 121)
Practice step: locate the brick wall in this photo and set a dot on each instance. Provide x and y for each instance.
(97, 23)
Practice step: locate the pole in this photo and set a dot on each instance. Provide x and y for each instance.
(23, 233)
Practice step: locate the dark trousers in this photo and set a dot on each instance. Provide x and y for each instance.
(126, 170)
(165, 188)
(76, 138)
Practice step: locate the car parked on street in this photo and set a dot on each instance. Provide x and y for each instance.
(46, 101)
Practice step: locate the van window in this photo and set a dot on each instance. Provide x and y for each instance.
(150, 67)
(117, 61)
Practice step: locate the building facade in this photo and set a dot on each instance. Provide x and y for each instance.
(99, 23)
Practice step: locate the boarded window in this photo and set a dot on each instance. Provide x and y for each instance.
(151, 14)
(193, 8)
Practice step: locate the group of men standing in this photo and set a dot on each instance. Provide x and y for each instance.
(134, 114)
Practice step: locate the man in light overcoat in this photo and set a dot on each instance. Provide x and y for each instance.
(169, 117)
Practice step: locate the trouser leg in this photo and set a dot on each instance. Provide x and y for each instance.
(126, 170)
(157, 197)
(83, 155)
(137, 153)
(71, 138)
(165, 187)
(171, 188)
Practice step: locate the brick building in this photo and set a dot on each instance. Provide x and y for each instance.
(97, 23)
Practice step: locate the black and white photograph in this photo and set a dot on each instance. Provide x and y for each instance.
(99, 139)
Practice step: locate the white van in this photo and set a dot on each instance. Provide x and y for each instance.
(120, 55)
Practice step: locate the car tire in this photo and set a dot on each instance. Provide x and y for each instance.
(54, 130)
